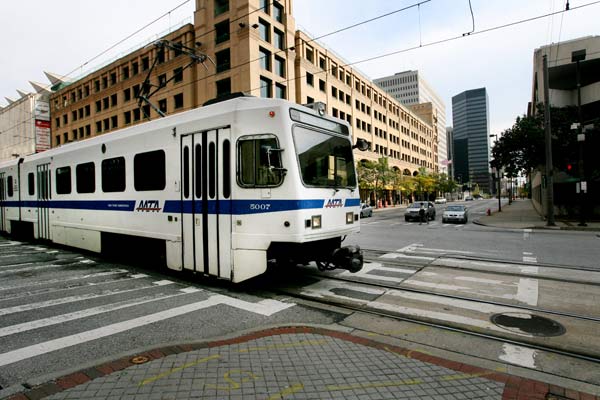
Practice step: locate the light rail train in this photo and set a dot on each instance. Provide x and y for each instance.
(221, 190)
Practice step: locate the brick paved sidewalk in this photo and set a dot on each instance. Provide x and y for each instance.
(292, 363)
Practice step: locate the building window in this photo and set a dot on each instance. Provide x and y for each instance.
(98, 106)
(223, 87)
(136, 114)
(114, 122)
(162, 80)
(160, 55)
(223, 60)
(88, 130)
(221, 6)
(280, 66)
(127, 117)
(279, 91)
(222, 32)
(145, 63)
(57, 122)
(104, 82)
(264, 30)
(309, 100)
(265, 59)
(85, 178)
(264, 5)
(87, 110)
(278, 39)
(74, 115)
(113, 78)
(135, 68)
(127, 94)
(113, 175)
(310, 79)
(178, 100)
(322, 63)
(149, 171)
(310, 54)
(321, 85)
(126, 72)
(278, 12)
(63, 180)
(98, 126)
(106, 124)
(65, 119)
(105, 103)
(334, 92)
(178, 74)
(266, 90)
(113, 100)
(162, 105)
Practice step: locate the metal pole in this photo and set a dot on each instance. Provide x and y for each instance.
(549, 166)
(580, 139)
(499, 192)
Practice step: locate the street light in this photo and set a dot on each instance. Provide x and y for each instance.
(576, 57)
(497, 169)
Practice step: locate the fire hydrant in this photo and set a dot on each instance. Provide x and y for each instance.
(489, 212)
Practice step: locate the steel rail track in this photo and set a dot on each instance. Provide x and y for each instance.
(341, 305)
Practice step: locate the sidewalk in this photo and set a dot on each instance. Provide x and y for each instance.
(521, 215)
(294, 363)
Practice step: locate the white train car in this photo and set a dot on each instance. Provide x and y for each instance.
(220, 190)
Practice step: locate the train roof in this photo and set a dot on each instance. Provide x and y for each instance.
(213, 110)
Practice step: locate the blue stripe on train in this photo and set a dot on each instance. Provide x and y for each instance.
(237, 207)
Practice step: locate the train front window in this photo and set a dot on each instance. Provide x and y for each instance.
(325, 159)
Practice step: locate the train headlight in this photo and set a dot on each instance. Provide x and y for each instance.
(349, 218)
(316, 221)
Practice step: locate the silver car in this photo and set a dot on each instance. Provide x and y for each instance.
(455, 213)
(366, 210)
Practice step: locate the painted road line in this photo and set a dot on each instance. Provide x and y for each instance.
(530, 259)
(265, 307)
(70, 299)
(68, 279)
(519, 355)
(404, 256)
(59, 319)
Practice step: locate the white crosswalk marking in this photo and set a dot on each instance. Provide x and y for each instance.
(265, 307)
(67, 279)
(70, 299)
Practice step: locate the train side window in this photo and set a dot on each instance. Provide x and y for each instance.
(198, 171)
(85, 178)
(226, 169)
(113, 175)
(186, 172)
(149, 171)
(31, 184)
(259, 162)
(63, 180)
(9, 186)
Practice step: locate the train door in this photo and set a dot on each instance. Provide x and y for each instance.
(206, 178)
(2, 200)
(43, 197)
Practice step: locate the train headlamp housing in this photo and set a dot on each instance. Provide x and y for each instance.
(349, 218)
(316, 221)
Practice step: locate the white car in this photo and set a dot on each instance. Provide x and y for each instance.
(440, 200)
(455, 213)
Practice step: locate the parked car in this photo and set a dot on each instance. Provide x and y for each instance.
(366, 210)
(440, 200)
(469, 198)
(412, 211)
(455, 213)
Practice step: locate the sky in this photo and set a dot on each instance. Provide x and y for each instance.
(71, 37)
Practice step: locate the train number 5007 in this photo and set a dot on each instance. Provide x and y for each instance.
(262, 207)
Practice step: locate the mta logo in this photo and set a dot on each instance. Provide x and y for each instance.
(334, 203)
(148, 206)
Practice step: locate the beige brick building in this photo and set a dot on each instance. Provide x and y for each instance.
(256, 50)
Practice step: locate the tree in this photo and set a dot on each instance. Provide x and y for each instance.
(424, 183)
(374, 176)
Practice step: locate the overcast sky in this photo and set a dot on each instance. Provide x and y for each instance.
(64, 37)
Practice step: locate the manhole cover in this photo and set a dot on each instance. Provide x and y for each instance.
(528, 323)
(139, 359)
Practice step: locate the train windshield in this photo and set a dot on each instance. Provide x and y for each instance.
(325, 159)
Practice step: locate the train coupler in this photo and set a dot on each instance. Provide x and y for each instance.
(348, 257)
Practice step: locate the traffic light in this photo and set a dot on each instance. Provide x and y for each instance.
(571, 168)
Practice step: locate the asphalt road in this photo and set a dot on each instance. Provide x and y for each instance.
(387, 231)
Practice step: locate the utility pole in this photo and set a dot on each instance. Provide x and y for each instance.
(576, 57)
(549, 166)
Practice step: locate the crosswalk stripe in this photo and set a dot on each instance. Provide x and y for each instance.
(48, 266)
(264, 307)
(69, 299)
(58, 319)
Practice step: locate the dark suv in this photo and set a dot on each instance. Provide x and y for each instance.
(412, 211)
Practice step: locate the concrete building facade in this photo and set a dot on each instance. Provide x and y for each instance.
(470, 118)
(256, 50)
(411, 89)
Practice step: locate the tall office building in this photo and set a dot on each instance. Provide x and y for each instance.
(470, 119)
(409, 88)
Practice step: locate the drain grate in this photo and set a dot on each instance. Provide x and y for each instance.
(529, 324)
